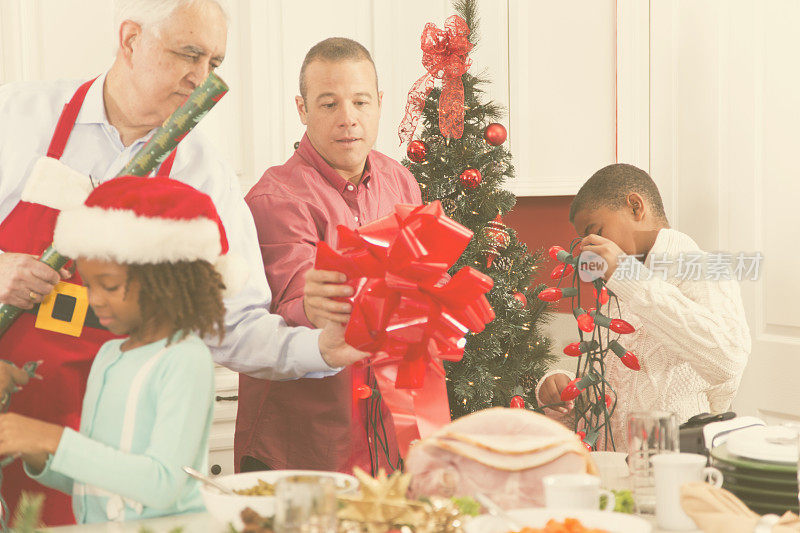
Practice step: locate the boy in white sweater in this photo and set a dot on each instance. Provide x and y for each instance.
(691, 338)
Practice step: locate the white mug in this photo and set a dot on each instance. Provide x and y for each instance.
(575, 491)
(612, 467)
(672, 470)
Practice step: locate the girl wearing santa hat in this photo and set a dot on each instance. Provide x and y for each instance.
(153, 255)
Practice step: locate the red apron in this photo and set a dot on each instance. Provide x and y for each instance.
(58, 397)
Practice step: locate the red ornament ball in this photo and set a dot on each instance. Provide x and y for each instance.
(518, 402)
(497, 233)
(471, 178)
(417, 151)
(495, 134)
(518, 296)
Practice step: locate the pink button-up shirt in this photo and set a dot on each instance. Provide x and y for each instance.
(312, 423)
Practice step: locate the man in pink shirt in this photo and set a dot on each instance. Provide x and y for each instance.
(334, 177)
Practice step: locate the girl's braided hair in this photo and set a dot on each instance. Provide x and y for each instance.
(187, 294)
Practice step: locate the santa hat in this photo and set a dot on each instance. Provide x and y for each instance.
(138, 220)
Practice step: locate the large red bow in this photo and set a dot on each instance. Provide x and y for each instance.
(444, 56)
(407, 310)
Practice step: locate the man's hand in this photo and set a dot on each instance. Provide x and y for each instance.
(550, 393)
(25, 281)
(605, 248)
(335, 351)
(318, 303)
(24, 435)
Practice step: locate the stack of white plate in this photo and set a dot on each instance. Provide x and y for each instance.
(759, 465)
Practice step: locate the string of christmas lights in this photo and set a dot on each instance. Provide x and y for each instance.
(595, 398)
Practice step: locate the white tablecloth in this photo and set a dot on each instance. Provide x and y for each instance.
(191, 523)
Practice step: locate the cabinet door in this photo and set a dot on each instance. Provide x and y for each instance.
(220, 441)
(562, 91)
(220, 462)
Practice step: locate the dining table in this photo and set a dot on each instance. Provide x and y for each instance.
(190, 523)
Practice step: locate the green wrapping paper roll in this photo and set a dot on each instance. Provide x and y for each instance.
(147, 159)
(181, 122)
(9, 313)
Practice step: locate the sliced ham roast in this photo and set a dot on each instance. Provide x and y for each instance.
(501, 452)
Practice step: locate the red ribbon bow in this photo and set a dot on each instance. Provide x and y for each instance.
(407, 310)
(444, 56)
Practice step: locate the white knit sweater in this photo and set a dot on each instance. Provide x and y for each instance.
(691, 337)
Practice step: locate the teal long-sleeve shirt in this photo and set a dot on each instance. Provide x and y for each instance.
(126, 471)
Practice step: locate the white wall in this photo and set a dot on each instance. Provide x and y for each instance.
(724, 139)
(560, 88)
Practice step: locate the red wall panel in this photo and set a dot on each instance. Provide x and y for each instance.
(541, 222)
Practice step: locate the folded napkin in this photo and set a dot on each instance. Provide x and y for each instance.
(716, 510)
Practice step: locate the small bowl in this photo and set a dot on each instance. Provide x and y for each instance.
(227, 509)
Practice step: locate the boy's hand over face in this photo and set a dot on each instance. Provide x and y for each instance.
(605, 248)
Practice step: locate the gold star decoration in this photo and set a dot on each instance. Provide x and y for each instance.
(381, 505)
(380, 500)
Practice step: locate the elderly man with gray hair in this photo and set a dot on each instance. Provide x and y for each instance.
(166, 49)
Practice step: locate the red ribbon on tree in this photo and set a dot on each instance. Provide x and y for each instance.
(407, 310)
(444, 56)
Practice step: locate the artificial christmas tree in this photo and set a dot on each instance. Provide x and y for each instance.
(463, 162)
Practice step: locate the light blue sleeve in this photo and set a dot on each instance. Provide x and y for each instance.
(185, 384)
(257, 342)
(50, 478)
